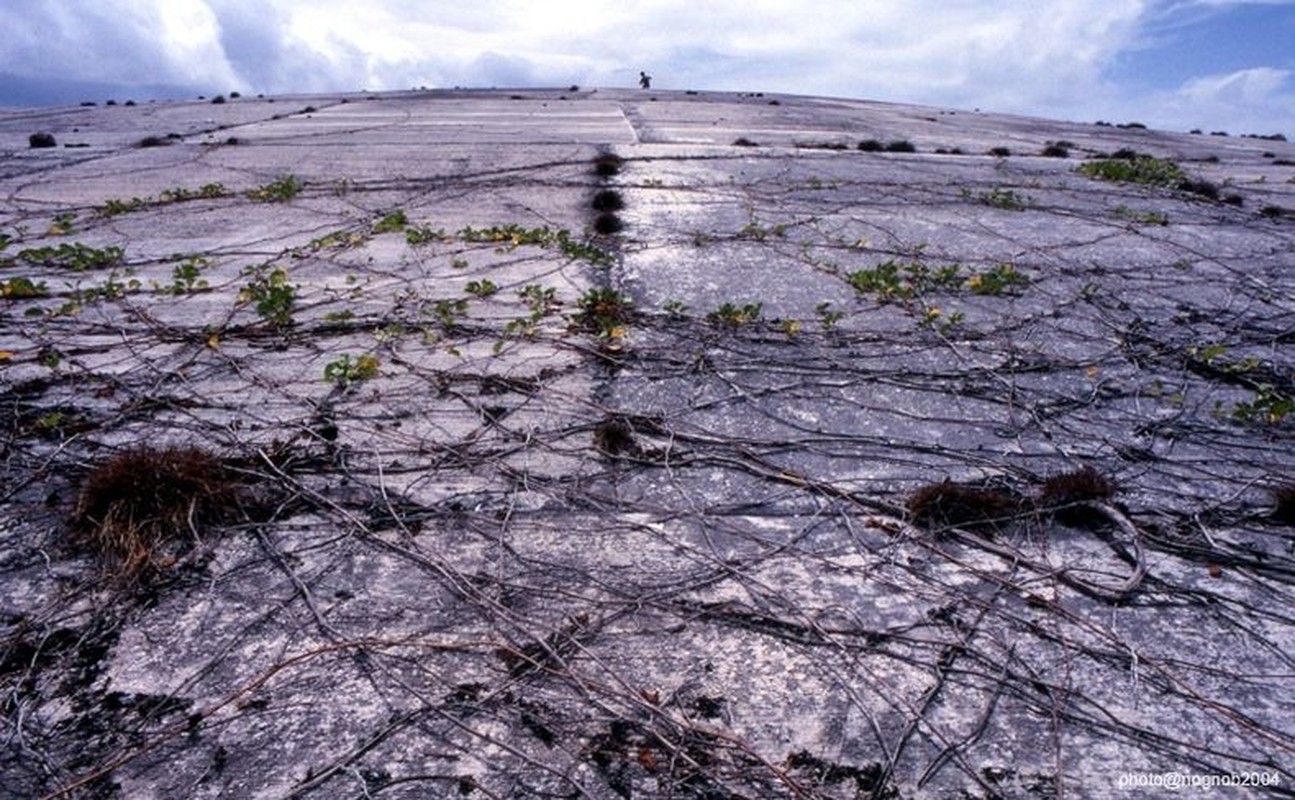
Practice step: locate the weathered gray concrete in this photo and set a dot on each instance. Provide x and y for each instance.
(441, 586)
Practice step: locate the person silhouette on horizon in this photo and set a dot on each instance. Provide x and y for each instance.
(645, 80)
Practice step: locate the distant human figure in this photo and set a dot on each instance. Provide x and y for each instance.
(645, 80)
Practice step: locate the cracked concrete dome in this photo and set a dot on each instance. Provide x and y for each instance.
(613, 444)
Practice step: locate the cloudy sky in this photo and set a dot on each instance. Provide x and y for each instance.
(1177, 64)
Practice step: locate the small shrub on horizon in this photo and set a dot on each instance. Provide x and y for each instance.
(823, 146)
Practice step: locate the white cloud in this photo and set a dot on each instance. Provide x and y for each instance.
(1231, 3)
(900, 49)
(1045, 57)
(188, 39)
(1244, 87)
(1253, 100)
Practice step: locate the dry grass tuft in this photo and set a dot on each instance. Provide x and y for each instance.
(948, 504)
(607, 165)
(608, 200)
(1284, 503)
(608, 223)
(136, 510)
(1076, 486)
(615, 437)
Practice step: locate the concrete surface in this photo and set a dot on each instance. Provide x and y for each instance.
(665, 552)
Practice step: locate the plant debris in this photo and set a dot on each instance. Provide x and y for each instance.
(136, 510)
(957, 505)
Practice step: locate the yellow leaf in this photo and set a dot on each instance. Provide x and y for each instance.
(213, 341)
(5, 355)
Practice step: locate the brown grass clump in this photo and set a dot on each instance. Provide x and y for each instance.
(607, 165)
(1284, 503)
(615, 437)
(136, 510)
(1076, 486)
(948, 504)
(1064, 497)
(608, 200)
(608, 223)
